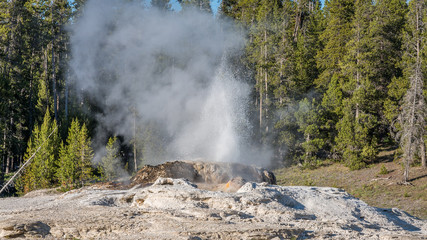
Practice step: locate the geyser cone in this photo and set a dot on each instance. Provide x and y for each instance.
(204, 173)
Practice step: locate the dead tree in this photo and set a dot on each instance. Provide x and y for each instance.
(414, 111)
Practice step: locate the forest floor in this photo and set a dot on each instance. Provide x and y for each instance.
(378, 185)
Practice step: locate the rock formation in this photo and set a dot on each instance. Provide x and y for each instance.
(203, 172)
(178, 209)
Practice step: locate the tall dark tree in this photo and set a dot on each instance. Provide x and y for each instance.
(338, 32)
(355, 139)
(16, 81)
(334, 38)
(228, 8)
(202, 5)
(40, 173)
(161, 4)
(385, 47)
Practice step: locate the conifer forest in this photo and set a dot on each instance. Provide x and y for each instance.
(328, 81)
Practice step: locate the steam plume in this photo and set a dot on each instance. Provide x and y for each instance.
(169, 69)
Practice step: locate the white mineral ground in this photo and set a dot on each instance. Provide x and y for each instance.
(178, 209)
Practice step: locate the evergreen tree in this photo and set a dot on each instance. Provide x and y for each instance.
(15, 52)
(41, 171)
(109, 163)
(246, 12)
(75, 160)
(300, 24)
(265, 42)
(25, 47)
(385, 55)
(385, 41)
(338, 32)
(202, 5)
(69, 155)
(85, 156)
(285, 72)
(308, 119)
(308, 26)
(355, 140)
(161, 4)
(228, 8)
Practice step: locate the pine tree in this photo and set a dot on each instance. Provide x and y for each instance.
(308, 26)
(284, 81)
(25, 46)
(385, 41)
(15, 52)
(86, 154)
(41, 171)
(338, 32)
(109, 163)
(67, 173)
(27, 181)
(201, 5)
(265, 42)
(246, 10)
(228, 8)
(340, 14)
(75, 160)
(308, 118)
(355, 139)
(385, 54)
(161, 4)
(299, 25)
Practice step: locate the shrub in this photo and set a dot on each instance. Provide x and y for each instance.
(383, 170)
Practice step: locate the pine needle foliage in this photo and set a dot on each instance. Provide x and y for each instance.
(110, 161)
(41, 172)
(75, 168)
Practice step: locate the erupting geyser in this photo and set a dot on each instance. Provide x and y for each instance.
(169, 73)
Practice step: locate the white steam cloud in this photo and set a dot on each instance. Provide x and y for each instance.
(169, 69)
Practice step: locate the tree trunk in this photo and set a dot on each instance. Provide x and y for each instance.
(298, 16)
(260, 94)
(66, 98)
(8, 160)
(55, 103)
(423, 154)
(134, 142)
(45, 66)
(260, 107)
(265, 75)
(308, 153)
(357, 70)
(31, 105)
(55, 95)
(9, 157)
(3, 158)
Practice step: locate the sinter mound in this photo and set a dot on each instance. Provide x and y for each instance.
(203, 173)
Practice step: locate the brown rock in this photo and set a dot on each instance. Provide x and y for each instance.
(203, 172)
